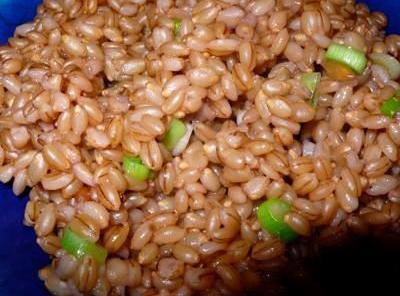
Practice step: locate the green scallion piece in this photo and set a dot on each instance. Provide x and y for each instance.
(310, 81)
(390, 63)
(135, 169)
(176, 130)
(271, 215)
(79, 247)
(177, 26)
(353, 58)
(390, 107)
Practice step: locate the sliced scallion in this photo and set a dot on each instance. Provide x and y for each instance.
(177, 26)
(310, 81)
(390, 107)
(338, 71)
(135, 169)
(271, 215)
(352, 58)
(79, 247)
(176, 130)
(391, 64)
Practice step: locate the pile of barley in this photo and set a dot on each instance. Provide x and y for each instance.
(89, 81)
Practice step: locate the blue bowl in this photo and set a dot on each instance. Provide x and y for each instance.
(20, 256)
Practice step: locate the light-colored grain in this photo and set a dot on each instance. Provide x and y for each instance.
(90, 82)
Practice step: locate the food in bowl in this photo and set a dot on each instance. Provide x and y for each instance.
(182, 148)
